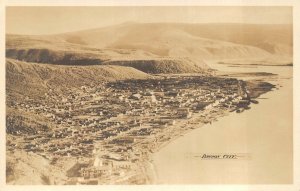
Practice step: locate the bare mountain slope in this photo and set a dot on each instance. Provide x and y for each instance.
(151, 47)
(166, 65)
(70, 54)
(32, 78)
(161, 37)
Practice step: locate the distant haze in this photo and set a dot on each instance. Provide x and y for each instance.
(52, 20)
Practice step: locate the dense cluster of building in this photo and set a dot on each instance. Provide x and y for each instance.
(118, 124)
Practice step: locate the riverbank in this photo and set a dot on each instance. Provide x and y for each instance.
(189, 127)
(184, 127)
(127, 146)
(252, 132)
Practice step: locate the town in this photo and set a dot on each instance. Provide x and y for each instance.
(113, 127)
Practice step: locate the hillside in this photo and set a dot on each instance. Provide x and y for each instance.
(166, 65)
(158, 45)
(32, 78)
(195, 39)
(38, 169)
(84, 56)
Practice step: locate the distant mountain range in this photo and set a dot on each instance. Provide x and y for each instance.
(164, 47)
(135, 50)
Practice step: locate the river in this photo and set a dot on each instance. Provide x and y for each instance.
(263, 134)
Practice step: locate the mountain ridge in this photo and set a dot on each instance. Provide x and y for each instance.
(178, 46)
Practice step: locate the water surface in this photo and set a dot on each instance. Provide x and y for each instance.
(264, 133)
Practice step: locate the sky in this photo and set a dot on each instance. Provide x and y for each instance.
(53, 20)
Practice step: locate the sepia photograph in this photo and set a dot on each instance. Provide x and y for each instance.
(149, 95)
